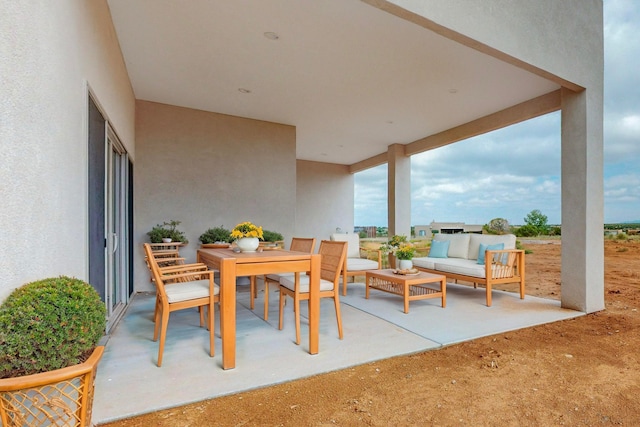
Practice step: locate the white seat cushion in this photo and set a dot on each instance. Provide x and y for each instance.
(360, 264)
(289, 283)
(277, 277)
(425, 262)
(185, 291)
(460, 266)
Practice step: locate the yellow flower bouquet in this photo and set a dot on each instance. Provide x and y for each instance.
(246, 229)
(406, 250)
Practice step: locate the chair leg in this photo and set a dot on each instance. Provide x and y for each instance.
(212, 324)
(296, 309)
(336, 300)
(201, 311)
(156, 327)
(281, 309)
(266, 299)
(344, 284)
(163, 334)
(252, 290)
(155, 311)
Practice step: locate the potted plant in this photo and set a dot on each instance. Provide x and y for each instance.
(167, 232)
(272, 239)
(391, 247)
(49, 334)
(217, 237)
(246, 236)
(405, 253)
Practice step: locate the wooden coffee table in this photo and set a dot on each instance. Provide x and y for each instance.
(410, 287)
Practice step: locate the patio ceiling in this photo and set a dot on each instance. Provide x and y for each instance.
(352, 78)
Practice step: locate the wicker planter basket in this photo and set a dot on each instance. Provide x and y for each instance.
(63, 397)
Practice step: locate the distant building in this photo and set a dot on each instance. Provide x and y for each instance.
(370, 231)
(446, 228)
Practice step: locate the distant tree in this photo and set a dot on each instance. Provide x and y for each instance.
(381, 231)
(363, 234)
(497, 226)
(537, 221)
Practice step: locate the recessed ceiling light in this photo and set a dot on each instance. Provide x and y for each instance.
(271, 35)
(243, 90)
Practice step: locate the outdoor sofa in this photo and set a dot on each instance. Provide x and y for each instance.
(478, 258)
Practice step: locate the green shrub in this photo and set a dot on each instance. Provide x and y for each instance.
(167, 230)
(271, 236)
(526, 231)
(217, 234)
(49, 324)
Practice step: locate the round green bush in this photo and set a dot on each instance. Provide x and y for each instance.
(217, 234)
(49, 324)
(271, 236)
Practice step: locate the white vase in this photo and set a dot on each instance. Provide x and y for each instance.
(248, 244)
(405, 264)
(166, 240)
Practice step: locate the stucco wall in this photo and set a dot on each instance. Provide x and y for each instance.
(206, 170)
(324, 199)
(49, 52)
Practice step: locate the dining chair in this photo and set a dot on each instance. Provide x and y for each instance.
(170, 261)
(357, 261)
(298, 244)
(164, 257)
(297, 286)
(190, 288)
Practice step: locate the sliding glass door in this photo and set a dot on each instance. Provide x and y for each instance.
(117, 235)
(109, 212)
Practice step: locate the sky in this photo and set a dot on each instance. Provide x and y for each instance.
(467, 182)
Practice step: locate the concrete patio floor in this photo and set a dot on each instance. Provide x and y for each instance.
(129, 383)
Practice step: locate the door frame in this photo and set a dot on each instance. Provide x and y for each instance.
(98, 260)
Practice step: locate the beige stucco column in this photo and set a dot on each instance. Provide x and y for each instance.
(399, 205)
(582, 202)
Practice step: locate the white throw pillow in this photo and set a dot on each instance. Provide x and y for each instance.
(509, 241)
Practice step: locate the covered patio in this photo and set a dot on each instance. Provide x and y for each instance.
(120, 115)
(374, 329)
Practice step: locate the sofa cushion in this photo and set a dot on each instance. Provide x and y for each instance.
(482, 248)
(439, 248)
(360, 264)
(458, 246)
(353, 243)
(460, 266)
(425, 262)
(509, 241)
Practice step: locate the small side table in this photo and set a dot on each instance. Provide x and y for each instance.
(410, 287)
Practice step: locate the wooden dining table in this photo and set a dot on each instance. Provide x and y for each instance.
(235, 264)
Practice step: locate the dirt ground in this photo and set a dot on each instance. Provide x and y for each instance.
(583, 371)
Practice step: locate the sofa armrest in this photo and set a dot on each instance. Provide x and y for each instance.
(504, 263)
